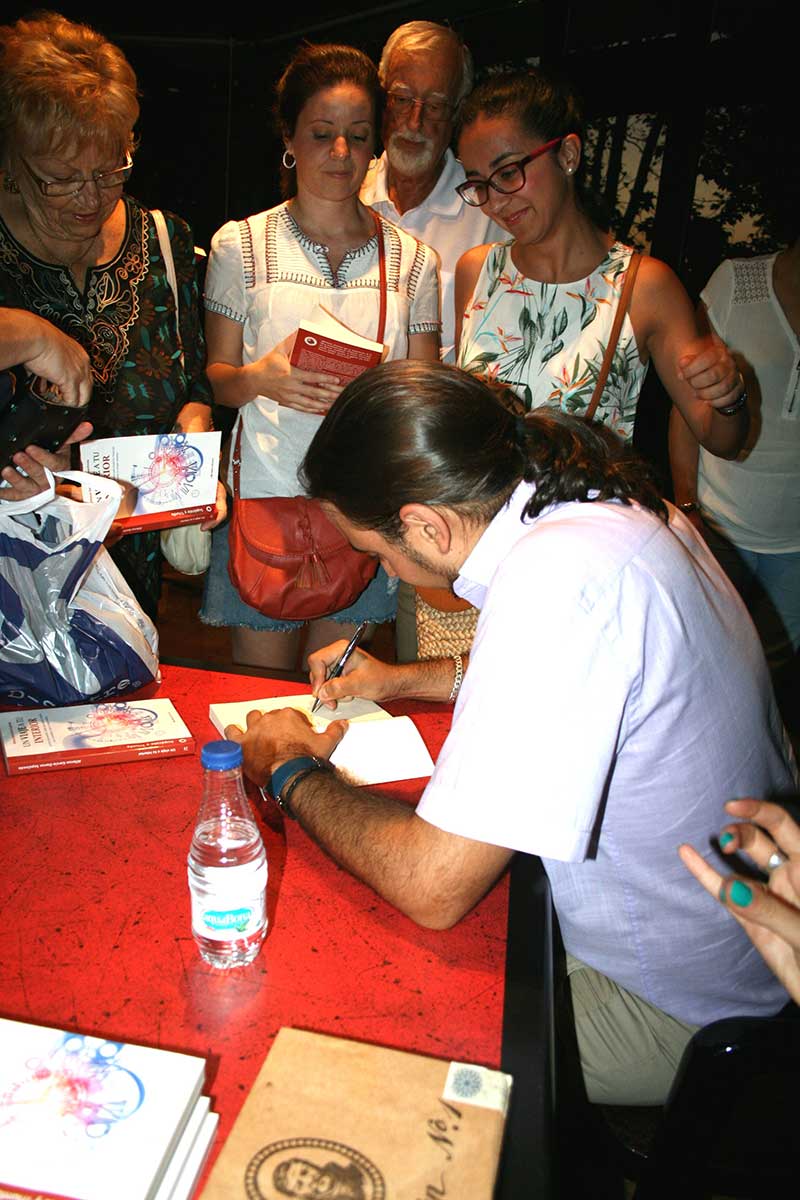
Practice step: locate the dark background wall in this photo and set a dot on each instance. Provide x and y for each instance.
(710, 75)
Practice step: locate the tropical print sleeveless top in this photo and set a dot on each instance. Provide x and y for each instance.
(547, 340)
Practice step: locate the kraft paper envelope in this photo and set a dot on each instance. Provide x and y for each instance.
(352, 1121)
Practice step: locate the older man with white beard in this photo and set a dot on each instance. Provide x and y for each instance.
(426, 71)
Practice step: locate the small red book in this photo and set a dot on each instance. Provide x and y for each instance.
(324, 344)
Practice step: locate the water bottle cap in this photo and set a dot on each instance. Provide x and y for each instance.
(221, 756)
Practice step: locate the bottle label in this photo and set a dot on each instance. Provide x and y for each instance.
(232, 904)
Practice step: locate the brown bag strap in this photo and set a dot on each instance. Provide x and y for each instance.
(382, 271)
(237, 459)
(619, 317)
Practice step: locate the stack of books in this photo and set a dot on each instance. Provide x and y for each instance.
(89, 1118)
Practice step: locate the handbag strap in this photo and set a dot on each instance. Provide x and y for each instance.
(622, 307)
(382, 272)
(169, 263)
(236, 461)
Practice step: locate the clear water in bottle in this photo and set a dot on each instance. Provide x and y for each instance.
(227, 865)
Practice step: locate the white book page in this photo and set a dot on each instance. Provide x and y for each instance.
(383, 752)
(184, 1187)
(235, 712)
(377, 748)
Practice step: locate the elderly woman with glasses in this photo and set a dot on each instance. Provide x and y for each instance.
(86, 300)
(536, 311)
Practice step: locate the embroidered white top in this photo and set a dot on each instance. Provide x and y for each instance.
(265, 273)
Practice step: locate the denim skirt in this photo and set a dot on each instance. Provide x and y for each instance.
(222, 604)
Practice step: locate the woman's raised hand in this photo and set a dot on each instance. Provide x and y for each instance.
(63, 363)
(769, 913)
(710, 369)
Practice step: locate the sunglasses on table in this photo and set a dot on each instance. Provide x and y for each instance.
(506, 179)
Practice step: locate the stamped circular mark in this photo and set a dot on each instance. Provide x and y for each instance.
(312, 1167)
(466, 1083)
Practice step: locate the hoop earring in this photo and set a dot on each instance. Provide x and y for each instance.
(287, 154)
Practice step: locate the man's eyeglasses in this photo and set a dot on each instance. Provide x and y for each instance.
(71, 187)
(434, 108)
(506, 179)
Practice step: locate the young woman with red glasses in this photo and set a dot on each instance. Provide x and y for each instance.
(536, 311)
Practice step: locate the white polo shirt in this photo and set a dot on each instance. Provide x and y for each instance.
(616, 697)
(444, 222)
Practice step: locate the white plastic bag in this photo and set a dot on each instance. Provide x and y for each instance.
(71, 630)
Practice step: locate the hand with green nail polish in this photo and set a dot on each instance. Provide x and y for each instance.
(768, 912)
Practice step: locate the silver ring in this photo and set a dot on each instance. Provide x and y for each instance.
(776, 859)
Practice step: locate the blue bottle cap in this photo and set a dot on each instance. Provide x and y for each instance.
(221, 756)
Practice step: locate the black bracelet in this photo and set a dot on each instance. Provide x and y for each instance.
(732, 409)
(286, 778)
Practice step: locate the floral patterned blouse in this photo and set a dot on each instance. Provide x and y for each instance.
(547, 340)
(125, 321)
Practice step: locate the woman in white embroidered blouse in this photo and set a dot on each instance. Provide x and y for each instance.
(271, 271)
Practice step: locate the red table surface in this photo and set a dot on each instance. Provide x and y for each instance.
(95, 925)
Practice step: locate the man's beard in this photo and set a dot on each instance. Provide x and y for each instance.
(417, 161)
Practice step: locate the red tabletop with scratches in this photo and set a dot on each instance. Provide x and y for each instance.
(95, 927)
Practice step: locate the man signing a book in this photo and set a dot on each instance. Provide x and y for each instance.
(616, 697)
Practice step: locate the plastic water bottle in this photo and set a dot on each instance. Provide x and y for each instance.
(227, 865)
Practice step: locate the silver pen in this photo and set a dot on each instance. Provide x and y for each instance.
(340, 665)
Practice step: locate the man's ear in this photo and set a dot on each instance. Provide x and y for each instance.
(426, 525)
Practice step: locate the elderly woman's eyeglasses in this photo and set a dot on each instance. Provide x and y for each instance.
(71, 187)
(506, 179)
(435, 108)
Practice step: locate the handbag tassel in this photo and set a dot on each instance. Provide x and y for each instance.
(313, 573)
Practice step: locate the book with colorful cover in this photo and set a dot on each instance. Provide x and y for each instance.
(172, 477)
(82, 735)
(323, 343)
(90, 1118)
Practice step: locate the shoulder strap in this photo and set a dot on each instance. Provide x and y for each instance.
(619, 316)
(169, 263)
(382, 271)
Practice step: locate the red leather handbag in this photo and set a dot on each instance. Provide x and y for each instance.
(288, 560)
(285, 557)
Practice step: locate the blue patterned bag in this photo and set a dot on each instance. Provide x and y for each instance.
(71, 630)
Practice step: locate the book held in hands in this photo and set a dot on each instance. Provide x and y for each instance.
(172, 477)
(323, 343)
